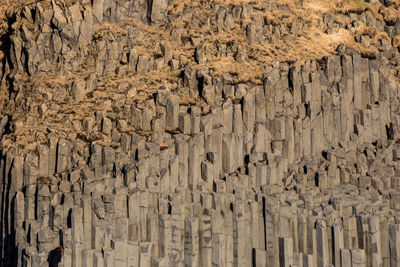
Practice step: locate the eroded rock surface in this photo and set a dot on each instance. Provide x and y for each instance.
(200, 133)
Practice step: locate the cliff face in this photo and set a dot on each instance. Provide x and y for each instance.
(200, 133)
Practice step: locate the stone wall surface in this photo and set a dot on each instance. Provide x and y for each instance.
(302, 169)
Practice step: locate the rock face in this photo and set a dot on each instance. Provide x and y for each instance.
(141, 155)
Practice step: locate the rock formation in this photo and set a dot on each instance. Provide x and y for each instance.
(200, 133)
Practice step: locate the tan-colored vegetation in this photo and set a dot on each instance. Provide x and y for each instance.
(308, 42)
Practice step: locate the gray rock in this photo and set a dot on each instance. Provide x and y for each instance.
(45, 236)
(62, 156)
(158, 10)
(172, 119)
(86, 29)
(79, 90)
(166, 50)
(253, 33)
(98, 208)
(208, 94)
(184, 123)
(190, 78)
(106, 126)
(142, 64)
(108, 156)
(98, 7)
(200, 54)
